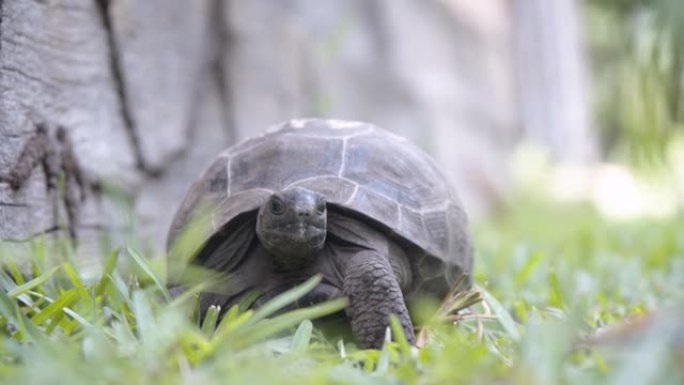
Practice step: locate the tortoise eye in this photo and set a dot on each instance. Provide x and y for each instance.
(277, 206)
(320, 209)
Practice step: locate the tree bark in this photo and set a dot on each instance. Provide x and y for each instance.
(552, 76)
(128, 84)
(110, 108)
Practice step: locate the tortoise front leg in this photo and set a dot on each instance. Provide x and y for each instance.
(374, 294)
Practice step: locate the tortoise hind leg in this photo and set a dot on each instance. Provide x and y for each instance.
(374, 294)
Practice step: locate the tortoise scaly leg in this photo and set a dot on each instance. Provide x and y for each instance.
(374, 294)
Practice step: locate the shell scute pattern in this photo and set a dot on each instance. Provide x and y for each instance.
(357, 166)
(284, 160)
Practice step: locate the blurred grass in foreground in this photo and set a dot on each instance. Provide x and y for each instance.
(552, 275)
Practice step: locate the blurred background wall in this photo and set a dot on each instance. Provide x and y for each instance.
(149, 91)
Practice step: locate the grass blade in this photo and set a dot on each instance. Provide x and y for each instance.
(142, 262)
(302, 337)
(78, 318)
(188, 294)
(502, 315)
(231, 323)
(524, 274)
(556, 293)
(285, 299)
(11, 312)
(399, 335)
(15, 272)
(74, 278)
(384, 359)
(120, 285)
(21, 289)
(143, 314)
(109, 267)
(55, 308)
(267, 328)
(210, 321)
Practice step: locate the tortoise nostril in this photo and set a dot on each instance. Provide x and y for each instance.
(303, 214)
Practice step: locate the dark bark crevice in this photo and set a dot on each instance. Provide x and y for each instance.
(116, 68)
(38, 149)
(12, 204)
(26, 75)
(75, 184)
(212, 72)
(34, 236)
(56, 156)
(2, 14)
(55, 229)
(218, 65)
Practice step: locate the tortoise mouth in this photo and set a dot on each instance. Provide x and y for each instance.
(295, 227)
(304, 235)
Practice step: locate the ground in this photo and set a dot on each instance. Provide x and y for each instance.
(553, 278)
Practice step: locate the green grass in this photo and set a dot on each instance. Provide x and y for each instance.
(550, 276)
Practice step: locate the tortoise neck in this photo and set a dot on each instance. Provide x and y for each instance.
(283, 262)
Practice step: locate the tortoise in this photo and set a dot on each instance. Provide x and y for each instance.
(364, 208)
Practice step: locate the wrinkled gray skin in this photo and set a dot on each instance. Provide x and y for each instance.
(298, 237)
(291, 226)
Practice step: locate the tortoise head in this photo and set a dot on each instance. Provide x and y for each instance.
(291, 225)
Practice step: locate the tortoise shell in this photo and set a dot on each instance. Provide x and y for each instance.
(360, 169)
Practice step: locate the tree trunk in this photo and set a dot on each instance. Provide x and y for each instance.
(110, 108)
(551, 67)
(100, 98)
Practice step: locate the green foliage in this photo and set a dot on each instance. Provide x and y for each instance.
(637, 51)
(550, 276)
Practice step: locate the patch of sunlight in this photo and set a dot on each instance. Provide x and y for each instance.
(618, 193)
(615, 190)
